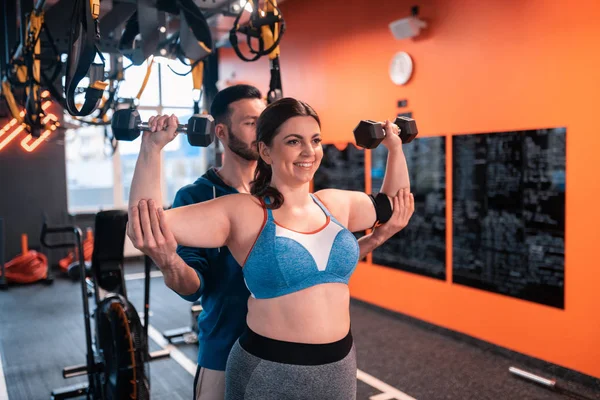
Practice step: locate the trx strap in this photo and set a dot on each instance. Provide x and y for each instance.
(248, 30)
(109, 98)
(82, 44)
(195, 39)
(126, 43)
(108, 102)
(253, 29)
(145, 22)
(275, 89)
(25, 72)
(268, 26)
(146, 78)
(33, 105)
(197, 77)
(270, 35)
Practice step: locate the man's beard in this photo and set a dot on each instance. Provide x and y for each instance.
(240, 148)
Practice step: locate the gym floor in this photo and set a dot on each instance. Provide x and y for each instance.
(42, 331)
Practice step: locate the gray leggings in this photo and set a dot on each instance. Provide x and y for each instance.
(249, 377)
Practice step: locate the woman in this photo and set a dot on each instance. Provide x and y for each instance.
(296, 250)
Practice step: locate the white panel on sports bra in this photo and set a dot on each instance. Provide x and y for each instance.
(317, 244)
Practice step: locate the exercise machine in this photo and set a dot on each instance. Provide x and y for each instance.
(186, 334)
(117, 355)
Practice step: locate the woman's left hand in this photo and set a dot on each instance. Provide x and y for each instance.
(404, 207)
(392, 138)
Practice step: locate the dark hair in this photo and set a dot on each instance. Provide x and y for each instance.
(267, 127)
(219, 109)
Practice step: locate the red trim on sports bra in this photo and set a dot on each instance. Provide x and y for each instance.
(318, 198)
(306, 233)
(259, 232)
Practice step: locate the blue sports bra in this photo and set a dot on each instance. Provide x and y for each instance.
(283, 261)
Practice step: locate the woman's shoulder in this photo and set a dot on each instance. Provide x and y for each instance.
(247, 214)
(330, 197)
(335, 200)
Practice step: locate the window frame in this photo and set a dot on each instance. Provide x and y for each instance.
(118, 202)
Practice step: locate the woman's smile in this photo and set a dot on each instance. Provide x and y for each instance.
(304, 165)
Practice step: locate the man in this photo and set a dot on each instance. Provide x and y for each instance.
(213, 274)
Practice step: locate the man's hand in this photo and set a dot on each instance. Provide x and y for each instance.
(148, 230)
(404, 207)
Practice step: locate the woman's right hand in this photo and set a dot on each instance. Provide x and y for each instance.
(163, 129)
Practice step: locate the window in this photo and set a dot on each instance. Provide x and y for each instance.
(134, 77)
(176, 90)
(98, 180)
(90, 177)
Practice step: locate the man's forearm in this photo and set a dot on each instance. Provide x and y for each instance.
(181, 278)
(368, 243)
(396, 172)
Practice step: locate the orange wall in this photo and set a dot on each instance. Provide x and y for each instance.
(482, 66)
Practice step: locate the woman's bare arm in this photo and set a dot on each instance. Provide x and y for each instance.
(396, 171)
(353, 209)
(204, 225)
(356, 208)
(146, 175)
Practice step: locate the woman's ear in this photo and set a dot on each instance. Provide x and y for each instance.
(264, 152)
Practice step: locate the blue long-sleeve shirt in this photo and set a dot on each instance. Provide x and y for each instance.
(223, 293)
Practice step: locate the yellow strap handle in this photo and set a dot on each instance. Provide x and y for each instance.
(95, 7)
(198, 75)
(35, 26)
(99, 85)
(268, 36)
(21, 73)
(146, 78)
(269, 39)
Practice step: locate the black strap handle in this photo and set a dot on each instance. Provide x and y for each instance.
(82, 52)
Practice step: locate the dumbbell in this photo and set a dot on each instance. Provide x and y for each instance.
(368, 134)
(127, 125)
